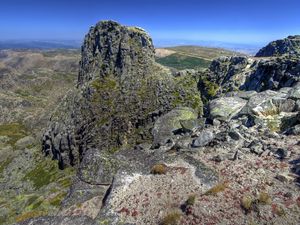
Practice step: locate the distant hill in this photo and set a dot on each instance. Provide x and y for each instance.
(36, 44)
(190, 57)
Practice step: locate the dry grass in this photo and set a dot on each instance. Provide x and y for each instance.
(264, 198)
(159, 169)
(171, 218)
(217, 188)
(191, 200)
(247, 203)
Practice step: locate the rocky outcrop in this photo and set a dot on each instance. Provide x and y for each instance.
(120, 93)
(289, 45)
(112, 49)
(232, 74)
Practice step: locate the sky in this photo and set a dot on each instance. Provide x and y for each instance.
(232, 21)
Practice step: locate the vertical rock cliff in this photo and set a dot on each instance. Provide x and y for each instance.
(120, 93)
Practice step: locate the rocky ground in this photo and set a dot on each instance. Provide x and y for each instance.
(32, 82)
(134, 142)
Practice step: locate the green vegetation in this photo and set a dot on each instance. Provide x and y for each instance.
(180, 62)
(56, 201)
(4, 164)
(203, 52)
(47, 172)
(14, 131)
(191, 200)
(28, 215)
(192, 98)
(208, 89)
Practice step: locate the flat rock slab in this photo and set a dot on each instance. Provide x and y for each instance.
(226, 108)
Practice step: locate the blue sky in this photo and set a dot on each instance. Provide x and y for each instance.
(235, 21)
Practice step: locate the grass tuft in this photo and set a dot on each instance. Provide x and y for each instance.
(171, 219)
(159, 169)
(191, 200)
(264, 198)
(217, 188)
(247, 203)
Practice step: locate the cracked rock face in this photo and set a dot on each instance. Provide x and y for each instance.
(120, 93)
(289, 45)
(128, 115)
(112, 49)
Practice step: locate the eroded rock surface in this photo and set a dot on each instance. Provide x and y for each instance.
(144, 145)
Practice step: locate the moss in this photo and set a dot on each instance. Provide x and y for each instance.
(28, 215)
(171, 218)
(23, 93)
(264, 198)
(217, 188)
(4, 164)
(36, 204)
(32, 199)
(159, 169)
(186, 93)
(65, 182)
(47, 172)
(247, 203)
(208, 89)
(113, 150)
(105, 83)
(39, 176)
(14, 131)
(56, 201)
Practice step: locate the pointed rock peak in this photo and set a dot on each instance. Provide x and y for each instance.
(286, 46)
(111, 49)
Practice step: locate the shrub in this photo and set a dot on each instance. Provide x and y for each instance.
(171, 219)
(247, 203)
(159, 169)
(191, 200)
(264, 198)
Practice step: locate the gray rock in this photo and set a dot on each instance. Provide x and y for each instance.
(226, 108)
(235, 135)
(25, 142)
(282, 153)
(294, 93)
(98, 168)
(169, 123)
(256, 147)
(59, 220)
(297, 105)
(192, 124)
(281, 47)
(205, 137)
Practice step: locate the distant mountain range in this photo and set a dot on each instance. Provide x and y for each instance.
(38, 44)
(250, 49)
